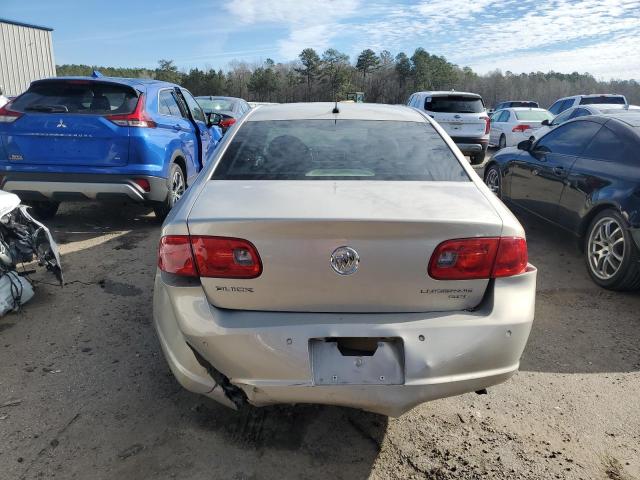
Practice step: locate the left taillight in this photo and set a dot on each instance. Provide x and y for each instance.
(175, 256)
(138, 118)
(227, 122)
(7, 115)
(208, 256)
(478, 258)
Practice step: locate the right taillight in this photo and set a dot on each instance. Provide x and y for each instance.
(7, 115)
(478, 258)
(487, 125)
(208, 256)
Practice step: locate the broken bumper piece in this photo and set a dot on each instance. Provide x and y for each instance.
(288, 357)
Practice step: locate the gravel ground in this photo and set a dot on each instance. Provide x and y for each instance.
(86, 393)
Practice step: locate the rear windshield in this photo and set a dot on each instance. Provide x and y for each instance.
(603, 100)
(77, 96)
(209, 105)
(454, 104)
(533, 115)
(338, 150)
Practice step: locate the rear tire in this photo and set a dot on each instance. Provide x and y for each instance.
(44, 210)
(176, 186)
(477, 158)
(611, 255)
(493, 180)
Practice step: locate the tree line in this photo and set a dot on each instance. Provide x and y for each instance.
(383, 77)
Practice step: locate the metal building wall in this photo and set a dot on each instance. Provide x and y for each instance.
(26, 54)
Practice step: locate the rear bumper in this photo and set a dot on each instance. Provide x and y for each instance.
(80, 187)
(267, 354)
(469, 145)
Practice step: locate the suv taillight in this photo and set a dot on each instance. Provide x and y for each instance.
(206, 256)
(475, 258)
(138, 118)
(7, 115)
(487, 127)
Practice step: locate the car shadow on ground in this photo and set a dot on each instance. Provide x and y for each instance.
(579, 327)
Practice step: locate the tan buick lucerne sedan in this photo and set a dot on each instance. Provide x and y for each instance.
(344, 255)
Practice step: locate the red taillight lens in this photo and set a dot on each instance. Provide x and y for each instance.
(143, 183)
(7, 115)
(138, 118)
(175, 256)
(206, 256)
(487, 127)
(512, 257)
(521, 128)
(227, 122)
(226, 257)
(474, 258)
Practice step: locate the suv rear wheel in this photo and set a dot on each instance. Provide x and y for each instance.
(176, 186)
(611, 254)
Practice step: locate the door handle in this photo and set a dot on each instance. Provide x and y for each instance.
(177, 127)
(558, 171)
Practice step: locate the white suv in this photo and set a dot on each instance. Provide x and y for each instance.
(565, 103)
(462, 115)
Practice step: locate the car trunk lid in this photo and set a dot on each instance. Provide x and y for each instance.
(297, 225)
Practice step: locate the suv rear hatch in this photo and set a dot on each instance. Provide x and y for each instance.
(66, 122)
(459, 115)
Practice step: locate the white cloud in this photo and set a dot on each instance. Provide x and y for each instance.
(308, 23)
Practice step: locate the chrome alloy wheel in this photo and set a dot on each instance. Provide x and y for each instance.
(605, 248)
(493, 181)
(178, 187)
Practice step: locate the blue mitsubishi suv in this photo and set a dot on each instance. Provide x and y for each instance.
(101, 138)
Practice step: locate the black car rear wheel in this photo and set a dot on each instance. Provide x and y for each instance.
(493, 180)
(611, 255)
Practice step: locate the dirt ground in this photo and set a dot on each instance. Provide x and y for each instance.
(85, 392)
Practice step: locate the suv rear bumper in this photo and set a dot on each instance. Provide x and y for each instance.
(468, 145)
(267, 355)
(58, 187)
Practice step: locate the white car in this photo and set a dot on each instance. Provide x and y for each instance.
(351, 258)
(581, 111)
(510, 126)
(462, 115)
(565, 103)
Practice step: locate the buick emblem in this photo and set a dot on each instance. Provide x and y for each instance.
(345, 260)
(61, 124)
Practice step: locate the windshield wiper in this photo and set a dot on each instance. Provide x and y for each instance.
(47, 108)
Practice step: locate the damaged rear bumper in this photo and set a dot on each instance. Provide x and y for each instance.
(267, 354)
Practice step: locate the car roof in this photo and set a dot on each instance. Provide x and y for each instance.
(217, 97)
(591, 95)
(630, 117)
(131, 82)
(521, 109)
(444, 93)
(348, 111)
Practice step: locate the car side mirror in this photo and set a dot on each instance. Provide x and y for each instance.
(213, 119)
(545, 122)
(525, 145)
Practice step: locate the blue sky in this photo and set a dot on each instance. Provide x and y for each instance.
(598, 36)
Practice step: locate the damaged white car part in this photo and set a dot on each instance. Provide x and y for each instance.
(22, 239)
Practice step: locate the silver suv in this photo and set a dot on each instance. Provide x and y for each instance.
(462, 115)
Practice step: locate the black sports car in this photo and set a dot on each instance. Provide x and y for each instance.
(583, 176)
